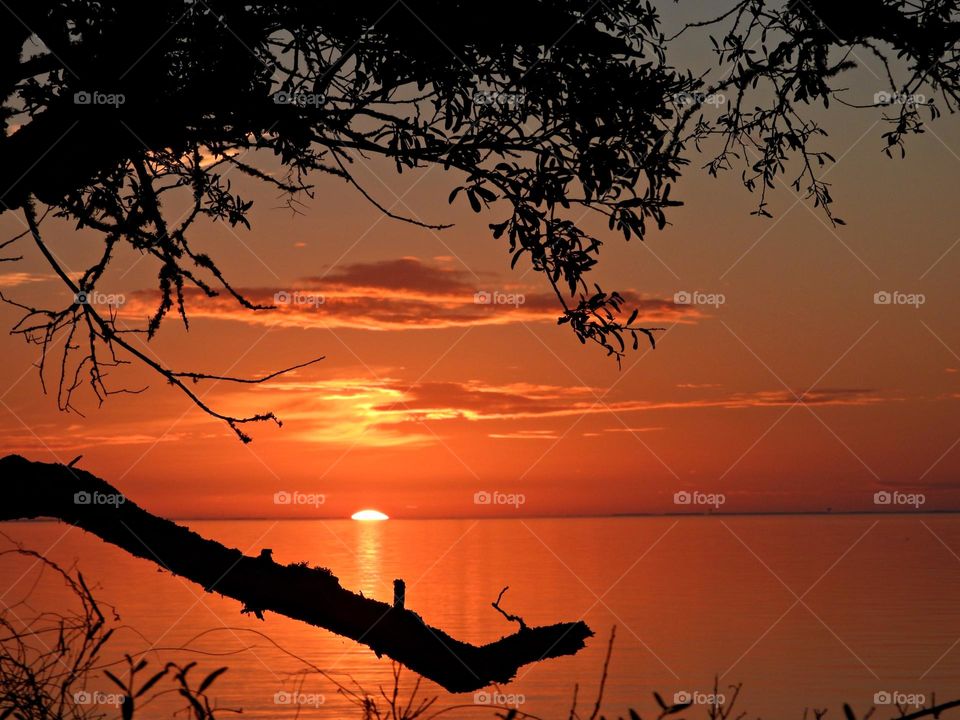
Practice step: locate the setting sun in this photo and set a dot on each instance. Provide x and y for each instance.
(369, 515)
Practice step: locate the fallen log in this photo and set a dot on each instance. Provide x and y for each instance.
(311, 595)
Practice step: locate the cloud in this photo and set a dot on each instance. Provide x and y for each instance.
(826, 396)
(407, 274)
(631, 430)
(525, 435)
(14, 279)
(71, 441)
(476, 401)
(391, 412)
(401, 294)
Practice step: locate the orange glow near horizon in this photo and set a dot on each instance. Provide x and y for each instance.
(797, 392)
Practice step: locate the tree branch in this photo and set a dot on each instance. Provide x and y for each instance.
(311, 595)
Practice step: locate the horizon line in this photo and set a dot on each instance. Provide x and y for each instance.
(576, 516)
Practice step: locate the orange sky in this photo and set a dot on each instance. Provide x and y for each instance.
(426, 398)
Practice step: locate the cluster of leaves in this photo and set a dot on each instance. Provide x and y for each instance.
(782, 60)
(198, 704)
(716, 710)
(321, 89)
(565, 109)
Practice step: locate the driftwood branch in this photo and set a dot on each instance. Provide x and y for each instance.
(508, 616)
(312, 595)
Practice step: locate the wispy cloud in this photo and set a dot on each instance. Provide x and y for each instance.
(15, 279)
(525, 435)
(77, 441)
(389, 412)
(631, 430)
(477, 401)
(401, 294)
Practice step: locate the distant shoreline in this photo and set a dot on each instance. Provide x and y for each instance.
(784, 513)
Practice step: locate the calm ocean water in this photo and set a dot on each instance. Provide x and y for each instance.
(805, 611)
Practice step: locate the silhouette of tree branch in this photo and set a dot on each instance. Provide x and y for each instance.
(311, 595)
(512, 618)
(43, 326)
(575, 105)
(315, 88)
(784, 57)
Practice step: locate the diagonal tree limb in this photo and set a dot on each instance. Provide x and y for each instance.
(312, 595)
